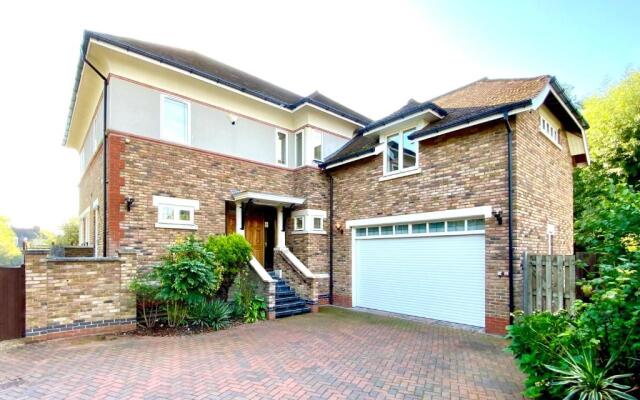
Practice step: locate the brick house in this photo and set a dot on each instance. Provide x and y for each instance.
(407, 214)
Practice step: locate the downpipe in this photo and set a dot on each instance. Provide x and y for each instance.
(510, 206)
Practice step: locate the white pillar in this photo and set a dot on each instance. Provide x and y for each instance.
(239, 229)
(280, 238)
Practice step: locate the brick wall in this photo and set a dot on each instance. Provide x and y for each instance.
(90, 189)
(74, 296)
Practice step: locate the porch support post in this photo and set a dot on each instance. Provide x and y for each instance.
(280, 238)
(239, 217)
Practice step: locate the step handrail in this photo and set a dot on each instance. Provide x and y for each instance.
(262, 273)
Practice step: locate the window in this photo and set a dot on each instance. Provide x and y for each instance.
(175, 120)
(176, 213)
(436, 228)
(387, 230)
(317, 223)
(299, 149)
(401, 153)
(549, 130)
(299, 224)
(281, 148)
(455, 226)
(316, 143)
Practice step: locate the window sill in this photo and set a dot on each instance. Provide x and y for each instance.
(551, 140)
(400, 174)
(176, 226)
(309, 232)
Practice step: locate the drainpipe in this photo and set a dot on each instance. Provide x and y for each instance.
(330, 237)
(104, 154)
(510, 199)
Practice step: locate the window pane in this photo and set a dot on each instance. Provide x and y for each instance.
(475, 224)
(393, 143)
(299, 223)
(166, 213)
(409, 150)
(185, 215)
(317, 152)
(298, 149)
(317, 223)
(436, 227)
(387, 230)
(361, 232)
(282, 148)
(174, 120)
(419, 228)
(373, 231)
(402, 229)
(455, 226)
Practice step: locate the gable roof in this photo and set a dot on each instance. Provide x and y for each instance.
(203, 66)
(412, 107)
(469, 103)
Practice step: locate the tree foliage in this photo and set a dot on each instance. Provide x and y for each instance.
(70, 233)
(10, 253)
(232, 253)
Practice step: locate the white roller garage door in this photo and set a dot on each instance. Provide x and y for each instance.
(439, 277)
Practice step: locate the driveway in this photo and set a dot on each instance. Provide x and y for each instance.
(336, 354)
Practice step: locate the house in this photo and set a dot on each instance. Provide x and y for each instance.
(409, 214)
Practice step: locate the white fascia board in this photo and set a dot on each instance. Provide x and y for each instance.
(484, 211)
(268, 198)
(400, 121)
(174, 201)
(201, 78)
(474, 123)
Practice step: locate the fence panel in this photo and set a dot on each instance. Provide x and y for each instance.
(549, 282)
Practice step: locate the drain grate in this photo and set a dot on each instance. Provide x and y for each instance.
(9, 383)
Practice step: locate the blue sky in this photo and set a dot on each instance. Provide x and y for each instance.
(370, 55)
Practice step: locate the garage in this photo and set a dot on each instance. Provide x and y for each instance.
(430, 269)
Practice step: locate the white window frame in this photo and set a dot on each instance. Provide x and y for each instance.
(177, 205)
(295, 223)
(549, 130)
(401, 171)
(163, 132)
(308, 216)
(299, 162)
(313, 147)
(286, 148)
(410, 233)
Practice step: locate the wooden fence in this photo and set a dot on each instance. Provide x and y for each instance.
(12, 302)
(549, 282)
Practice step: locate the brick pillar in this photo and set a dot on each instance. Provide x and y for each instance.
(35, 271)
(128, 271)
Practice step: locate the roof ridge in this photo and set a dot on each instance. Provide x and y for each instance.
(537, 77)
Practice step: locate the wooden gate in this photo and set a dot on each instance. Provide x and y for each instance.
(12, 302)
(549, 282)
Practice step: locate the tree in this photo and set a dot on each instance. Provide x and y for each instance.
(10, 253)
(70, 233)
(233, 253)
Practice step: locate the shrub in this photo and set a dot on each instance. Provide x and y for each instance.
(537, 340)
(146, 291)
(215, 314)
(232, 252)
(248, 305)
(187, 275)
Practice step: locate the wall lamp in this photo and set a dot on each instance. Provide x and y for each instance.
(339, 228)
(128, 202)
(497, 213)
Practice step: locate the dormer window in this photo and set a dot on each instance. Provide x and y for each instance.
(549, 130)
(401, 153)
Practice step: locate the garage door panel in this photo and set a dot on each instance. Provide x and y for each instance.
(432, 277)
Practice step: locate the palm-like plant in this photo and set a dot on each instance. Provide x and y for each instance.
(584, 380)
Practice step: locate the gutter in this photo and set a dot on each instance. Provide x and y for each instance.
(510, 199)
(104, 153)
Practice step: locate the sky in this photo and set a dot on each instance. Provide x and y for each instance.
(371, 56)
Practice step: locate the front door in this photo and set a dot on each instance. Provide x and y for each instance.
(254, 232)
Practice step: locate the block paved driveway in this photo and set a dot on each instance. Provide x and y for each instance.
(336, 354)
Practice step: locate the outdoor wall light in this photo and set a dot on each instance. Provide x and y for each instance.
(339, 228)
(497, 213)
(232, 118)
(128, 201)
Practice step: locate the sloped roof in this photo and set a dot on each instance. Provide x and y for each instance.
(479, 99)
(221, 73)
(412, 107)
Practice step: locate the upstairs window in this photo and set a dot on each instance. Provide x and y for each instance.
(175, 115)
(316, 143)
(281, 148)
(299, 149)
(401, 153)
(549, 130)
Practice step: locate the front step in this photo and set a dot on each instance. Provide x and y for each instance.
(288, 303)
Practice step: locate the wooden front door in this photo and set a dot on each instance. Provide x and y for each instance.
(254, 232)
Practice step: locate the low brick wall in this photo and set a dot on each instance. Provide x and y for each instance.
(313, 290)
(72, 296)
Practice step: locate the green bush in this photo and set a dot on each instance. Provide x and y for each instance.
(187, 275)
(215, 314)
(146, 290)
(232, 252)
(249, 306)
